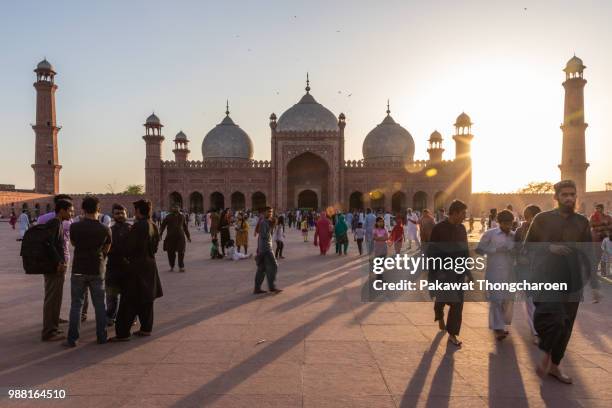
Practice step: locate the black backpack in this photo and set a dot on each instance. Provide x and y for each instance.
(36, 250)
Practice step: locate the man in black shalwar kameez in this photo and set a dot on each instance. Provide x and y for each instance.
(141, 285)
(176, 223)
(449, 240)
(559, 244)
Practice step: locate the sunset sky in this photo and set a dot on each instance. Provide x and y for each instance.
(117, 61)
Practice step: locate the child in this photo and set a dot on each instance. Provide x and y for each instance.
(397, 236)
(279, 237)
(606, 256)
(233, 254)
(359, 236)
(305, 229)
(380, 237)
(214, 249)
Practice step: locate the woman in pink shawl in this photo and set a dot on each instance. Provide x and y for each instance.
(323, 233)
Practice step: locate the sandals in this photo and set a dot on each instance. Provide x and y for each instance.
(561, 377)
(454, 340)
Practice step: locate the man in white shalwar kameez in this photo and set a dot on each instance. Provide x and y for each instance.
(497, 244)
(411, 230)
(24, 224)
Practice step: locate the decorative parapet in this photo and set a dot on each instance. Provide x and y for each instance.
(218, 164)
(387, 164)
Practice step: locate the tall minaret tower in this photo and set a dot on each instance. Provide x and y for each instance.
(573, 157)
(153, 161)
(46, 164)
(463, 160)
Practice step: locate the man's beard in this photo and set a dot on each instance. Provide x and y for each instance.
(568, 208)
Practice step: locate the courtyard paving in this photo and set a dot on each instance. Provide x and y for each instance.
(314, 345)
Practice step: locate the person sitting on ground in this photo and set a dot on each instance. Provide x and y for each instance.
(233, 254)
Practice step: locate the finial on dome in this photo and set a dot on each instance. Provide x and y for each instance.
(307, 83)
(227, 107)
(388, 109)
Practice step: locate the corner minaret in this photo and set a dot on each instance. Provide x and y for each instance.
(435, 149)
(46, 164)
(153, 161)
(573, 157)
(181, 147)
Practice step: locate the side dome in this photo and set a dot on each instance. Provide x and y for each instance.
(307, 115)
(388, 141)
(227, 141)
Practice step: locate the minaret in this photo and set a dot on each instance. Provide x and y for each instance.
(573, 157)
(463, 160)
(153, 161)
(181, 147)
(46, 164)
(435, 149)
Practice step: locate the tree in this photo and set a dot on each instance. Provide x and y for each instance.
(134, 189)
(537, 187)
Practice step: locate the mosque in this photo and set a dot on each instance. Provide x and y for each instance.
(307, 168)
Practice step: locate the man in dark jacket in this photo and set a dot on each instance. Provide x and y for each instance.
(54, 282)
(176, 223)
(116, 267)
(141, 285)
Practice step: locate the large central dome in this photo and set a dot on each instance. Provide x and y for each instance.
(227, 141)
(389, 141)
(306, 116)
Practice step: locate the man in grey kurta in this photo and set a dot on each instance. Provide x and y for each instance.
(266, 262)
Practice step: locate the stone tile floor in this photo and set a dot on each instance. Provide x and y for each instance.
(322, 346)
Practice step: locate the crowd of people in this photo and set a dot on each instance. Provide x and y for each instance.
(114, 260)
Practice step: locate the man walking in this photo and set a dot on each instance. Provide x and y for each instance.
(91, 241)
(554, 239)
(498, 244)
(449, 240)
(176, 223)
(266, 262)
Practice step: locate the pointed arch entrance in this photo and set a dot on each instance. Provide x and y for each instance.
(307, 172)
(308, 199)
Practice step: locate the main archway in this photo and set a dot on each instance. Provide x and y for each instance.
(356, 201)
(196, 202)
(307, 171)
(308, 199)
